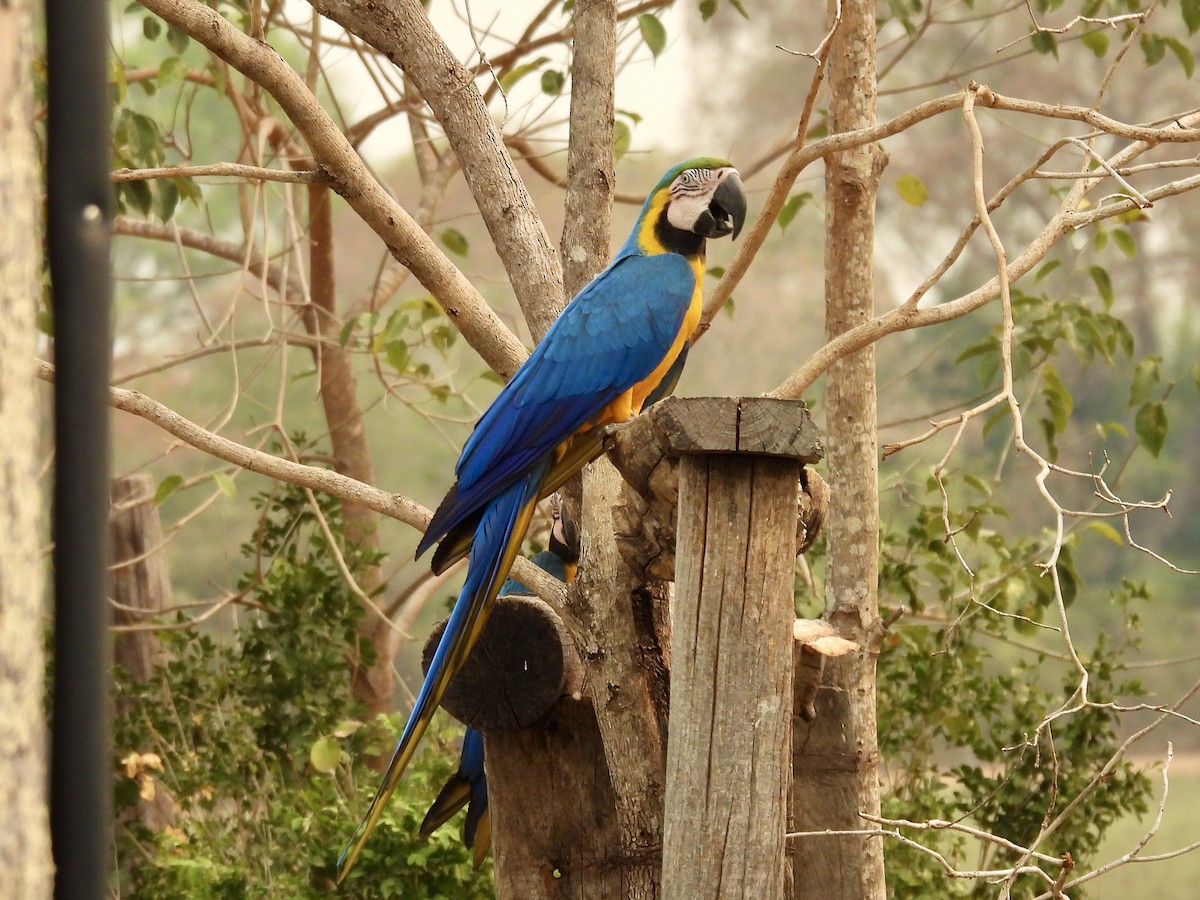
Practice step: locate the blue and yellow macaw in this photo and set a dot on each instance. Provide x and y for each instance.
(468, 786)
(604, 356)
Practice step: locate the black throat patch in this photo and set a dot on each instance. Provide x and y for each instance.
(676, 240)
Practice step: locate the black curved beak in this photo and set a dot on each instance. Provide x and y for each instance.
(728, 207)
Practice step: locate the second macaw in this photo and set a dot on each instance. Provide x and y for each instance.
(468, 786)
(604, 356)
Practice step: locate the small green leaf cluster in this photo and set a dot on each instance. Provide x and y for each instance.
(708, 8)
(262, 753)
(138, 141)
(1096, 34)
(1043, 326)
(401, 336)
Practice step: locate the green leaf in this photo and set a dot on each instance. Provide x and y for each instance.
(151, 27)
(178, 40)
(737, 4)
(1147, 375)
(147, 140)
(1153, 48)
(653, 33)
(347, 727)
(515, 74)
(168, 199)
(622, 137)
(171, 71)
(455, 241)
(224, 484)
(1107, 532)
(708, 9)
(1124, 240)
(1046, 268)
(1058, 399)
(1150, 426)
(324, 754)
(912, 190)
(138, 193)
(1191, 15)
(791, 207)
(167, 487)
(552, 82)
(397, 355)
(1103, 285)
(1096, 41)
(1045, 42)
(1182, 53)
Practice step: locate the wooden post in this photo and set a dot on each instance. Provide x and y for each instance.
(141, 586)
(729, 742)
(554, 822)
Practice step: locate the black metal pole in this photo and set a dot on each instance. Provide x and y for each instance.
(78, 222)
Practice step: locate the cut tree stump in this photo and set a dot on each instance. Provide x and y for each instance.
(523, 662)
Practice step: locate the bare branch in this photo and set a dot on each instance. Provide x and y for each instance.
(223, 170)
(348, 175)
(403, 33)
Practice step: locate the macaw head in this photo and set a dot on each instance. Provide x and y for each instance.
(705, 197)
(698, 199)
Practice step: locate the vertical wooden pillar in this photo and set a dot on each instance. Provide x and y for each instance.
(141, 585)
(729, 742)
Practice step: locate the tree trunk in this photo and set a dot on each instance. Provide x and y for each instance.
(373, 685)
(26, 870)
(837, 775)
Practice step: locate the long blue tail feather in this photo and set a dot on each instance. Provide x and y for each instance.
(497, 541)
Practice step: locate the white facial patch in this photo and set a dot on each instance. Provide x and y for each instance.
(691, 193)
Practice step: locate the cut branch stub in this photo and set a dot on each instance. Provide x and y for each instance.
(646, 453)
(523, 662)
(816, 639)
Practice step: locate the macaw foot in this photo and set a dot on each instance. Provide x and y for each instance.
(608, 433)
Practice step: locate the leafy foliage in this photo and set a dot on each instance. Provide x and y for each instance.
(959, 700)
(259, 755)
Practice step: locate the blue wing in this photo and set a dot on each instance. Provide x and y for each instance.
(614, 333)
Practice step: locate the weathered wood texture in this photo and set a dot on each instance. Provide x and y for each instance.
(524, 661)
(646, 452)
(26, 870)
(729, 745)
(141, 585)
(554, 826)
